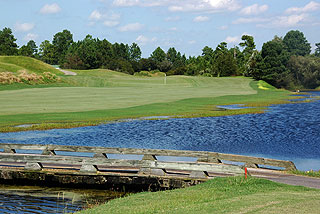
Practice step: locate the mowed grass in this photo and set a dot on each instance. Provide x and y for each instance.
(123, 91)
(95, 96)
(220, 195)
(17, 63)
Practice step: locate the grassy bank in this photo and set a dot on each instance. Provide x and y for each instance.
(95, 96)
(221, 195)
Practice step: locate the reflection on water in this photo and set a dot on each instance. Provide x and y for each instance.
(15, 199)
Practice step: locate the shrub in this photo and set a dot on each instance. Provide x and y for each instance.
(8, 78)
(28, 78)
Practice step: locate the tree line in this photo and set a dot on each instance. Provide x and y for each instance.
(285, 62)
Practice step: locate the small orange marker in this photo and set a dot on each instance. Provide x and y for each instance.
(245, 172)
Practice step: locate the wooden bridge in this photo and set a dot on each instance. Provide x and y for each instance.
(83, 165)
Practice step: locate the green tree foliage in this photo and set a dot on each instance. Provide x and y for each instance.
(208, 54)
(47, 53)
(239, 57)
(224, 62)
(147, 64)
(30, 49)
(85, 50)
(317, 51)
(304, 72)
(105, 52)
(248, 54)
(158, 55)
(61, 42)
(296, 43)
(271, 63)
(134, 52)
(121, 51)
(8, 44)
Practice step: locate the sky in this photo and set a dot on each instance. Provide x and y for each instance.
(187, 25)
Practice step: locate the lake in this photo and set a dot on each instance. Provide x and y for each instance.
(287, 132)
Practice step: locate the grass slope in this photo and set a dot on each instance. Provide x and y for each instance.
(126, 91)
(16, 63)
(220, 195)
(94, 96)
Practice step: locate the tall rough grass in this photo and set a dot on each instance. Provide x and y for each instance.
(24, 76)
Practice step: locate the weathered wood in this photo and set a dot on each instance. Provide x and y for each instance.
(88, 168)
(100, 155)
(48, 152)
(209, 160)
(251, 165)
(202, 156)
(199, 174)
(192, 166)
(6, 150)
(33, 166)
(149, 157)
(150, 171)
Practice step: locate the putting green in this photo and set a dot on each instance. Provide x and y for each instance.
(119, 91)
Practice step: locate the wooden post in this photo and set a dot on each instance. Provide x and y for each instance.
(33, 166)
(88, 168)
(199, 174)
(251, 165)
(8, 150)
(100, 155)
(48, 152)
(209, 160)
(149, 157)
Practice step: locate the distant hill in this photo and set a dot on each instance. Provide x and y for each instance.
(18, 63)
(26, 70)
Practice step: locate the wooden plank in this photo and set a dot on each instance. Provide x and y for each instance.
(219, 168)
(201, 155)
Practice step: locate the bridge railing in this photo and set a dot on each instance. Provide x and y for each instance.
(206, 161)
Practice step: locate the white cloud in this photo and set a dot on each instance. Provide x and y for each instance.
(204, 5)
(201, 19)
(110, 23)
(126, 3)
(173, 29)
(275, 22)
(131, 27)
(183, 6)
(289, 21)
(232, 39)
(172, 18)
(143, 40)
(50, 9)
(250, 20)
(191, 42)
(141, 3)
(223, 27)
(254, 9)
(109, 19)
(311, 6)
(23, 27)
(30, 36)
(95, 15)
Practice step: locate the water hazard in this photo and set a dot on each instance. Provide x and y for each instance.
(288, 132)
(41, 200)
